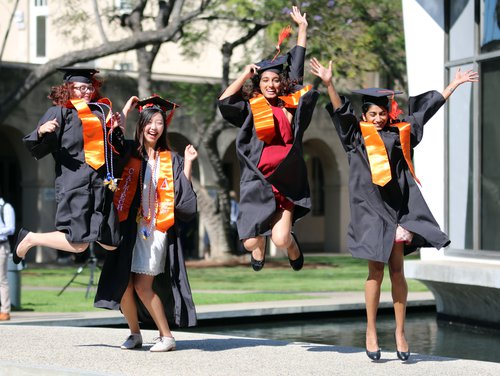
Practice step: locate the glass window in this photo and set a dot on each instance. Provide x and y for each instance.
(40, 36)
(461, 29)
(490, 25)
(460, 165)
(490, 155)
(37, 26)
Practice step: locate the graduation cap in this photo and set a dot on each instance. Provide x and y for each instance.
(273, 65)
(381, 97)
(376, 95)
(78, 74)
(157, 102)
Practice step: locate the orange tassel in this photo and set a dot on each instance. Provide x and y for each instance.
(395, 110)
(284, 33)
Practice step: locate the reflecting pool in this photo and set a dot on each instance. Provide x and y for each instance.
(424, 333)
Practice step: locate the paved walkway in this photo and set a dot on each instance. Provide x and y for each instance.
(62, 344)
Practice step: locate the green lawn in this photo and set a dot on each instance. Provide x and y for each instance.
(275, 282)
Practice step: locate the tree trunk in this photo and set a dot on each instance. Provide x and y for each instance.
(216, 211)
(144, 82)
(216, 215)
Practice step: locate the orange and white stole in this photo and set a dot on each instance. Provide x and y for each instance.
(263, 114)
(164, 201)
(93, 137)
(377, 154)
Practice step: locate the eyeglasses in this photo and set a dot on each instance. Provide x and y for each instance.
(84, 89)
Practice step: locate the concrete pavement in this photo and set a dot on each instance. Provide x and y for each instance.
(63, 344)
(49, 350)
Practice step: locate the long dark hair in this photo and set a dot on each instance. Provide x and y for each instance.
(144, 118)
(61, 94)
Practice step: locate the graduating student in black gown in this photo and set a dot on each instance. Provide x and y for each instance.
(84, 137)
(389, 216)
(274, 191)
(146, 277)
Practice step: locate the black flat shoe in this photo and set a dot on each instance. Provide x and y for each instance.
(257, 264)
(373, 355)
(298, 263)
(403, 355)
(20, 236)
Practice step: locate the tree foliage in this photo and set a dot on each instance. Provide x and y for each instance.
(359, 36)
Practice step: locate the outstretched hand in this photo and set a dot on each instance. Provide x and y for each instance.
(320, 71)
(462, 77)
(297, 17)
(190, 153)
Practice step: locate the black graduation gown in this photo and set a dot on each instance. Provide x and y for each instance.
(376, 211)
(257, 203)
(172, 286)
(85, 211)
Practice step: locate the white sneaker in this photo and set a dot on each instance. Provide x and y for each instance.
(133, 341)
(163, 344)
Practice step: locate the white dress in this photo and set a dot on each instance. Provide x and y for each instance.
(149, 254)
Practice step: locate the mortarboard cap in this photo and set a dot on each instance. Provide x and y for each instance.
(78, 74)
(377, 96)
(381, 97)
(156, 101)
(275, 65)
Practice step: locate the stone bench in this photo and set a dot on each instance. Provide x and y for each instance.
(464, 289)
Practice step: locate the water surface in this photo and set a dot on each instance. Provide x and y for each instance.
(425, 334)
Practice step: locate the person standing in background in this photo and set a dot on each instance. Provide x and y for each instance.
(7, 227)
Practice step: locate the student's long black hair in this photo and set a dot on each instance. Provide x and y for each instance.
(144, 118)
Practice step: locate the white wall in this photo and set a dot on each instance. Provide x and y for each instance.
(425, 46)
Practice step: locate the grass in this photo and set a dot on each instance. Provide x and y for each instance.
(277, 281)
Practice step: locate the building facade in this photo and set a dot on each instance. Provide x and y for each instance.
(36, 36)
(457, 161)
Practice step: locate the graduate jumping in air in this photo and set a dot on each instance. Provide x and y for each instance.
(84, 136)
(272, 118)
(389, 216)
(146, 277)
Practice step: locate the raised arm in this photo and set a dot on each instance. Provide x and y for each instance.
(119, 119)
(301, 21)
(460, 78)
(190, 154)
(249, 71)
(326, 76)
